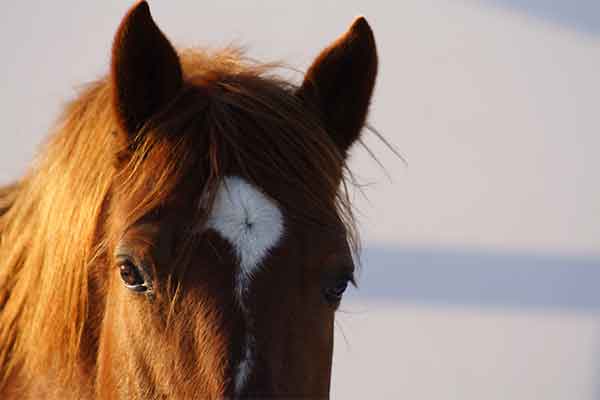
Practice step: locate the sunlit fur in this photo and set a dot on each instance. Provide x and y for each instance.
(232, 116)
(50, 240)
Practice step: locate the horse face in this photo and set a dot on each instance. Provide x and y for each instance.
(244, 307)
(224, 274)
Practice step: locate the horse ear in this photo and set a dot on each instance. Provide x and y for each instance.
(145, 69)
(340, 83)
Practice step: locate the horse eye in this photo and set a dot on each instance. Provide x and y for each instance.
(333, 294)
(131, 276)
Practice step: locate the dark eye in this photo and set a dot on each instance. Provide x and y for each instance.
(132, 277)
(333, 294)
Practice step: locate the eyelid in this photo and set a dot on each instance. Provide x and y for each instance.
(348, 270)
(352, 280)
(337, 274)
(123, 257)
(123, 251)
(349, 276)
(134, 251)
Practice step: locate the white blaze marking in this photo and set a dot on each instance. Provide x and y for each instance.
(245, 366)
(247, 219)
(252, 223)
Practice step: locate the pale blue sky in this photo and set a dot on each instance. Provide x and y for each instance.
(583, 15)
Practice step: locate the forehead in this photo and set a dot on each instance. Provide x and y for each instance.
(254, 224)
(241, 127)
(248, 219)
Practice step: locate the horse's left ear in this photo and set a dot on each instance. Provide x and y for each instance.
(145, 70)
(340, 83)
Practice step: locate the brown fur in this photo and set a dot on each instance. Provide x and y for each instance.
(127, 167)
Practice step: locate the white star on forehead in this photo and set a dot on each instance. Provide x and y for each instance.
(250, 221)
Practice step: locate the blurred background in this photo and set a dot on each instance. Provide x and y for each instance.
(481, 261)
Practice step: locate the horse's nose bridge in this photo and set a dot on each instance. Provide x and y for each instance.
(260, 365)
(240, 343)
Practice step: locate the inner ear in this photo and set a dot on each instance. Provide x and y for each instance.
(340, 82)
(146, 72)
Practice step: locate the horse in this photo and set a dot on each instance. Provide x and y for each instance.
(186, 230)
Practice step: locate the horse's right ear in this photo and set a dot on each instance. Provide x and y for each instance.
(145, 70)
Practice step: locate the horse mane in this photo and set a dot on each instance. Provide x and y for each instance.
(51, 220)
(7, 197)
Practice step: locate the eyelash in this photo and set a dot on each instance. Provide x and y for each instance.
(333, 294)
